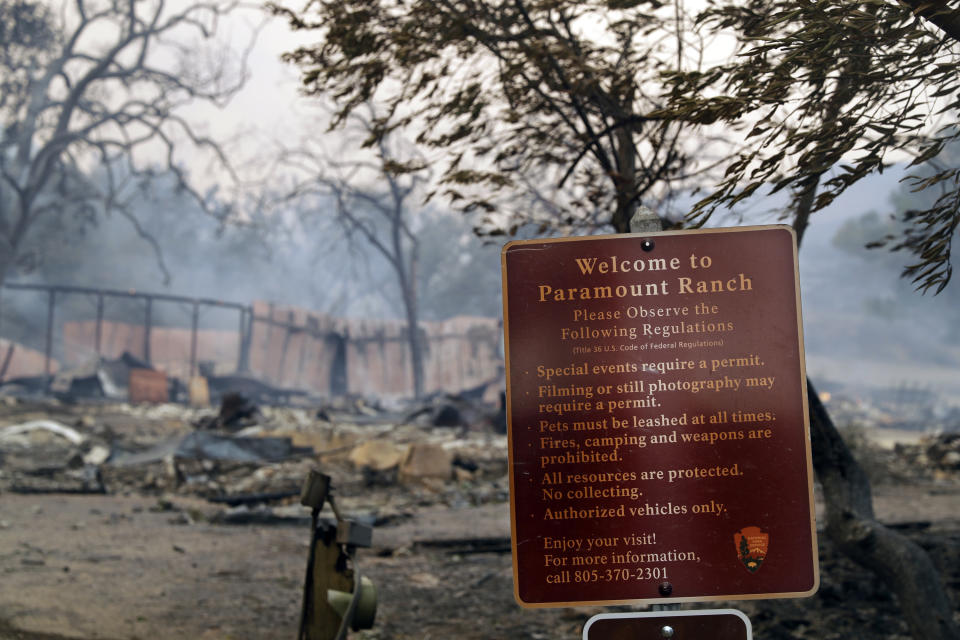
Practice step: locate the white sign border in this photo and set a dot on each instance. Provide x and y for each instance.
(670, 614)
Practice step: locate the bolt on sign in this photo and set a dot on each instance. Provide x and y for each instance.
(658, 427)
(715, 624)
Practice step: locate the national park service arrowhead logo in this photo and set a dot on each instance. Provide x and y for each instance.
(752, 545)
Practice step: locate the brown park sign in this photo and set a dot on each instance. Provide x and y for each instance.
(659, 438)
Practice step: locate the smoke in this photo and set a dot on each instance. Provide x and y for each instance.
(864, 325)
(314, 267)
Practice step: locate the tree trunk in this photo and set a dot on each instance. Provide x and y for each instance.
(413, 339)
(625, 181)
(5, 263)
(851, 525)
(408, 289)
(626, 206)
(899, 562)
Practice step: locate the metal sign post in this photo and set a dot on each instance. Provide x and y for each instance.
(716, 624)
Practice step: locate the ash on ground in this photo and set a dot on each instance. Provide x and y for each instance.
(132, 521)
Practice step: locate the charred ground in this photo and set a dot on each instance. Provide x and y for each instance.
(135, 545)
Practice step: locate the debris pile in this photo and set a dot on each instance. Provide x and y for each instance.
(936, 457)
(44, 456)
(130, 379)
(892, 408)
(918, 458)
(251, 460)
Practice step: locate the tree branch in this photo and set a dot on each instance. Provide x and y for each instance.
(939, 13)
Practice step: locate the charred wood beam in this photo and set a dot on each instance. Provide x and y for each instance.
(6, 361)
(147, 326)
(48, 348)
(131, 293)
(243, 353)
(293, 328)
(466, 545)
(74, 490)
(286, 345)
(194, 322)
(254, 498)
(99, 325)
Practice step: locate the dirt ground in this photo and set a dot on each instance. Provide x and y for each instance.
(132, 566)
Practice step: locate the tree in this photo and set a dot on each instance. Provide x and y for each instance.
(372, 200)
(865, 236)
(555, 89)
(459, 273)
(91, 99)
(824, 93)
(830, 92)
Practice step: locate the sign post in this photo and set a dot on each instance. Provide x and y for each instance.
(716, 624)
(659, 437)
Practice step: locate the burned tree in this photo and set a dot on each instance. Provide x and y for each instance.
(554, 91)
(825, 94)
(371, 199)
(91, 107)
(830, 93)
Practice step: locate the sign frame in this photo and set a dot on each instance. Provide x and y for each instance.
(664, 595)
(669, 614)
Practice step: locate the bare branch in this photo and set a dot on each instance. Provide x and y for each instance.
(106, 93)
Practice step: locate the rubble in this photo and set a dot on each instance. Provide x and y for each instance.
(198, 392)
(464, 546)
(45, 456)
(263, 515)
(236, 412)
(101, 378)
(244, 455)
(146, 385)
(201, 445)
(25, 386)
(131, 379)
(465, 410)
(17, 432)
(936, 456)
(378, 455)
(426, 461)
(255, 389)
(378, 461)
(97, 455)
(254, 498)
(911, 457)
(902, 408)
(240, 462)
(437, 503)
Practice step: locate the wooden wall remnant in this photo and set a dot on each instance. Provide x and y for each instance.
(169, 346)
(17, 361)
(148, 386)
(301, 349)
